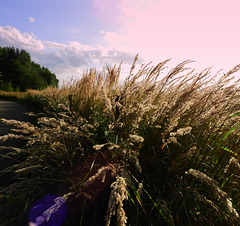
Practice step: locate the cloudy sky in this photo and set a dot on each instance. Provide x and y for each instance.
(70, 36)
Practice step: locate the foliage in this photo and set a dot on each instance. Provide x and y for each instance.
(155, 150)
(19, 73)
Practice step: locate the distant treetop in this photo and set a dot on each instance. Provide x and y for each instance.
(19, 73)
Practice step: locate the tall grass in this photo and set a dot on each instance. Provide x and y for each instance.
(154, 150)
(17, 96)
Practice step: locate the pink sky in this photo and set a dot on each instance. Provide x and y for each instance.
(206, 31)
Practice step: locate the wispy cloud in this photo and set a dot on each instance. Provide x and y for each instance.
(66, 60)
(31, 19)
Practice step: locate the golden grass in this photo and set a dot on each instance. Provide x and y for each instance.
(143, 135)
(13, 95)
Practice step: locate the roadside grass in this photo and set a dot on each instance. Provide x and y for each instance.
(155, 150)
(15, 96)
(31, 98)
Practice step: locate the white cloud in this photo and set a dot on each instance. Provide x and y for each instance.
(31, 19)
(66, 60)
(10, 36)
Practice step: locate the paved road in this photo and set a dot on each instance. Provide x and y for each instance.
(10, 110)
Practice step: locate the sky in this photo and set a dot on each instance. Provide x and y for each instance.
(72, 36)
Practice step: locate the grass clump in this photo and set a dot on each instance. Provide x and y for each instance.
(154, 150)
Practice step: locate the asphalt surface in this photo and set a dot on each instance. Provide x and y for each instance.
(12, 110)
(16, 111)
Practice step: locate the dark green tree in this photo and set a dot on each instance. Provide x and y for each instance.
(21, 73)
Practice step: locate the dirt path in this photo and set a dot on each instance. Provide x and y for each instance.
(16, 111)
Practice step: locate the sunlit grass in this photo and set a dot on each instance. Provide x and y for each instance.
(158, 149)
(12, 95)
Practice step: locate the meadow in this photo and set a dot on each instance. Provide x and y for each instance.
(161, 148)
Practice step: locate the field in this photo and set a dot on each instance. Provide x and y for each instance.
(161, 148)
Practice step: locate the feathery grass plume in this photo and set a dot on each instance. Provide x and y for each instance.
(106, 100)
(115, 204)
(232, 162)
(155, 125)
(25, 126)
(208, 202)
(11, 136)
(17, 150)
(218, 192)
(134, 64)
(52, 150)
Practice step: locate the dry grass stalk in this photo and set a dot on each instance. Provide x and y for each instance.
(26, 126)
(115, 204)
(97, 114)
(232, 162)
(218, 192)
(209, 202)
(12, 136)
(101, 174)
(14, 149)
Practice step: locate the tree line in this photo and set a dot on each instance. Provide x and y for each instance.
(19, 73)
